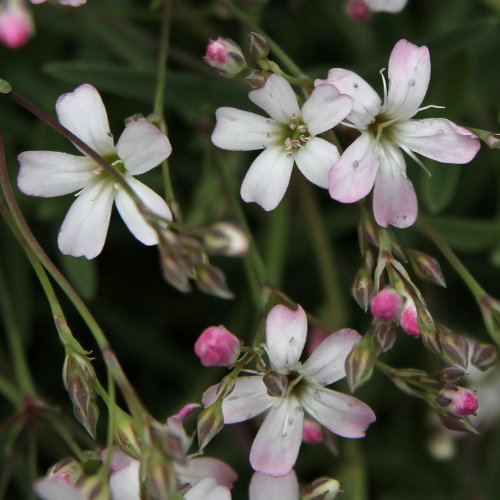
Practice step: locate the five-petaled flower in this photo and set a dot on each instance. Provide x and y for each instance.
(375, 158)
(288, 136)
(141, 147)
(292, 387)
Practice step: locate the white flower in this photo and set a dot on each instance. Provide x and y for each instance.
(264, 487)
(386, 5)
(375, 158)
(141, 147)
(288, 136)
(276, 446)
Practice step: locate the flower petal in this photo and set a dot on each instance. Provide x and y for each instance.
(124, 483)
(438, 139)
(277, 99)
(316, 159)
(276, 446)
(352, 177)
(365, 101)
(208, 489)
(264, 487)
(326, 364)
(83, 113)
(394, 198)
(386, 5)
(56, 489)
(409, 75)
(267, 178)
(325, 108)
(48, 173)
(132, 217)
(200, 467)
(286, 332)
(248, 399)
(142, 146)
(344, 415)
(84, 229)
(238, 130)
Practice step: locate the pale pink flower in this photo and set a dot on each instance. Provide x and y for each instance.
(386, 5)
(216, 346)
(288, 136)
(386, 305)
(16, 25)
(312, 433)
(276, 446)
(265, 487)
(141, 147)
(375, 158)
(72, 3)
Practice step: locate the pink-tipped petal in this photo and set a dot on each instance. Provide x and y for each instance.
(84, 229)
(286, 332)
(208, 489)
(238, 130)
(265, 487)
(277, 99)
(394, 198)
(142, 146)
(365, 101)
(200, 467)
(248, 399)
(135, 222)
(386, 5)
(353, 176)
(344, 415)
(48, 173)
(276, 446)
(409, 75)
(267, 178)
(83, 113)
(438, 139)
(326, 364)
(325, 108)
(316, 159)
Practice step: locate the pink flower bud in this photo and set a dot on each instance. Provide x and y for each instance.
(386, 305)
(358, 10)
(217, 347)
(464, 402)
(409, 321)
(312, 433)
(225, 56)
(16, 27)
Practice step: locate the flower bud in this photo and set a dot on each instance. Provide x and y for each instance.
(161, 482)
(409, 320)
(385, 335)
(323, 488)
(359, 366)
(126, 435)
(312, 433)
(210, 423)
(276, 384)
(257, 46)
(358, 10)
(211, 279)
(484, 356)
(226, 238)
(451, 374)
(363, 283)
(455, 349)
(386, 305)
(68, 470)
(216, 346)
(256, 78)
(426, 267)
(459, 401)
(225, 56)
(95, 488)
(16, 25)
(490, 309)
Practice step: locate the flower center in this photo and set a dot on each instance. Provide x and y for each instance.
(294, 135)
(381, 127)
(115, 162)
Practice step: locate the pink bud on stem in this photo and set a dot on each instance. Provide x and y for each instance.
(216, 346)
(386, 305)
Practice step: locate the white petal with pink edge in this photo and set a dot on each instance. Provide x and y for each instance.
(353, 176)
(142, 146)
(286, 332)
(276, 446)
(342, 414)
(316, 159)
(49, 173)
(265, 487)
(326, 364)
(83, 113)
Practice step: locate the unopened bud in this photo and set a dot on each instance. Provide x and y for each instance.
(455, 349)
(426, 267)
(211, 279)
(491, 139)
(385, 335)
(225, 56)
(451, 374)
(68, 470)
(359, 366)
(276, 384)
(386, 305)
(161, 481)
(95, 488)
(409, 319)
(16, 25)
(490, 309)
(256, 78)
(358, 10)
(459, 401)
(226, 238)
(210, 423)
(175, 271)
(461, 424)
(257, 46)
(312, 432)
(323, 488)
(484, 356)
(362, 286)
(216, 346)
(126, 435)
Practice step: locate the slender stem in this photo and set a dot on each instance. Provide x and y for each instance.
(277, 243)
(10, 391)
(353, 473)
(160, 89)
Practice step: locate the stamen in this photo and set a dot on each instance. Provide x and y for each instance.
(415, 158)
(384, 84)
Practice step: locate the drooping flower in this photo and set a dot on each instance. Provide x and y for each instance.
(288, 136)
(375, 158)
(292, 388)
(386, 5)
(141, 147)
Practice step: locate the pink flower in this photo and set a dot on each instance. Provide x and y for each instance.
(464, 402)
(292, 388)
(375, 159)
(409, 319)
(386, 305)
(16, 26)
(225, 56)
(216, 346)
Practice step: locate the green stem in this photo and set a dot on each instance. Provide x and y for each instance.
(10, 391)
(160, 89)
(353, 473)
